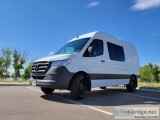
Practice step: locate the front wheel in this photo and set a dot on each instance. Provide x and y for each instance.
(78, 87)
(131, 87)
(47, 90)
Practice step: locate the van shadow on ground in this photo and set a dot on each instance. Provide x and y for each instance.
(108, 97)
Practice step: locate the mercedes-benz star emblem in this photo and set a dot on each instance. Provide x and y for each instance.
(36, 67)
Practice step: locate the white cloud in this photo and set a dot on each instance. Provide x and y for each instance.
(145, 4)
(93, 4)
(50, 53)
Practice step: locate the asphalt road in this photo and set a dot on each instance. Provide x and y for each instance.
(29, 103)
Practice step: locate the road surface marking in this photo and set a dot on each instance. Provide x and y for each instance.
(93, 108)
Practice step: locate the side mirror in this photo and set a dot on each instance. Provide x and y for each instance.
(91, 51)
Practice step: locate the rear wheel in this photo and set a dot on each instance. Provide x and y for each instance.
(78, 87)
(131, 87)
(103, 88)
(47, 90)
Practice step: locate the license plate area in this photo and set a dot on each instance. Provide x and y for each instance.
(34, 82)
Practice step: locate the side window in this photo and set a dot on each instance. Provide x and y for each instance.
(116, 52)
(98, 48)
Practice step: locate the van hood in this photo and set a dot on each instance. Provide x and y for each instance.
(56, 57)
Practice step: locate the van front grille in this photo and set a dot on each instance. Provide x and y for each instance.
(39, 67)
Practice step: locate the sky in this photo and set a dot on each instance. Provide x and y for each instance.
(41, 27)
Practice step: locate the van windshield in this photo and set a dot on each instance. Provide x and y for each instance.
(73, 46)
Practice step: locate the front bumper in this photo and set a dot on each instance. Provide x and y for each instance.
(55, 77)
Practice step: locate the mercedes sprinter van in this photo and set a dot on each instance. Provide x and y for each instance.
(87, 61)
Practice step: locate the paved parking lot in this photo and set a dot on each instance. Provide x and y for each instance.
(29, 103)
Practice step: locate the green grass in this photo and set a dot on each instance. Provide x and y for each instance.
(149, 85)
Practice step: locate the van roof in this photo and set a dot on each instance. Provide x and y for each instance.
(91, 34)
(87, 35)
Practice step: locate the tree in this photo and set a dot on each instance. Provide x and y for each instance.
(27, 72)
(159, 73)
(147, 73)
(150, 73)
(18, 62)
(156, 73)
(6, 53)
(2, 69)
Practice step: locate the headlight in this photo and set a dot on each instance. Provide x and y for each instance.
(59, 63)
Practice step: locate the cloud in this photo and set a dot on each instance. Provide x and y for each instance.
(145, 4)
(93, 4)
(50, 53)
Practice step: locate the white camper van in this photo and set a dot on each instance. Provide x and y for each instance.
(91, 60)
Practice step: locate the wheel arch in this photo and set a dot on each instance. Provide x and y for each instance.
(87, 80)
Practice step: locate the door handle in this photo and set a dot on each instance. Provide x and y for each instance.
(102, 60)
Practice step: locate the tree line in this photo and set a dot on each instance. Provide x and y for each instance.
(15, 59)
(150, 73)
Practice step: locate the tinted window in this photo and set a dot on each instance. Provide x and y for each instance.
(98, 48)
(116, 52)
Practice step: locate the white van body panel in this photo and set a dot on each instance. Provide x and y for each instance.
(57, 57)
(92, 65)
(108, 82)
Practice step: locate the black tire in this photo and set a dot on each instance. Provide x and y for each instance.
(78, 87)
(103, 88)
(131, 87)
(47, 90)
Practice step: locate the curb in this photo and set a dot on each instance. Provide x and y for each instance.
(14, 84)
